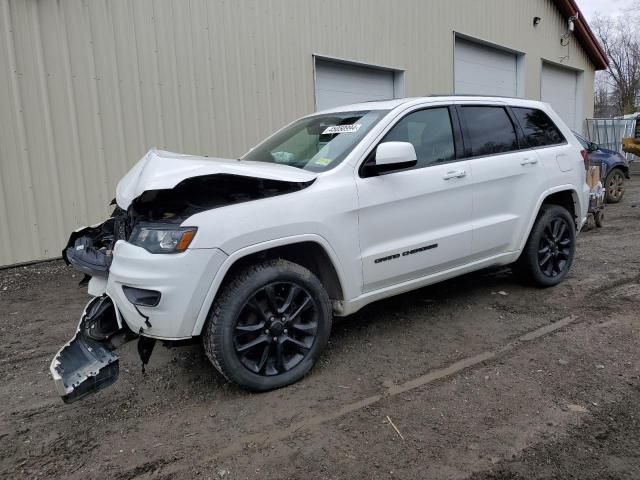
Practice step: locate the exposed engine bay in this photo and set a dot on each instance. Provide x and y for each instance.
(89, 249)
(197, 194)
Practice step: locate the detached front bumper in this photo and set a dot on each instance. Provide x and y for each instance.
(87, 364)
(139, 295)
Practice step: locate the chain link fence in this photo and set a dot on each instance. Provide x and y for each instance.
(609, 132)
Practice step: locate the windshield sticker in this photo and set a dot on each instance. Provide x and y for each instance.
(341, 129)
(323, 161)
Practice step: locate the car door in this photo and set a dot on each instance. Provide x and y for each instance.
(508, 178)
(416, 221)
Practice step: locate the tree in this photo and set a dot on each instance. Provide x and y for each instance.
(604, 106)
(620, 38)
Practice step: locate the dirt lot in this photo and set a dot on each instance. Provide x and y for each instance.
(483, 378)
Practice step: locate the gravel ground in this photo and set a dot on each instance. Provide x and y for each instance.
(482, 377)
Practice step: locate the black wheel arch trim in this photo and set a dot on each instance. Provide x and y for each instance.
(543, 200)
(335, 286)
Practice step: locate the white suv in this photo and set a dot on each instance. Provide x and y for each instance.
(334, 211)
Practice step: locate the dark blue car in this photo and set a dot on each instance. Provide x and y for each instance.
(617, 168)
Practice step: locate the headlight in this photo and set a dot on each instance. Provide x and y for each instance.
(161, 239)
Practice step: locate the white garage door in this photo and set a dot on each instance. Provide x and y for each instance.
(559, 88)
(484, 70)
(341, 84)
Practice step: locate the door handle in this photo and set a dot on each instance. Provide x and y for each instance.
(454, 174)
(529, 161)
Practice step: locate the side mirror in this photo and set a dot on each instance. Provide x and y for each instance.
(396, 154)
(593, 147)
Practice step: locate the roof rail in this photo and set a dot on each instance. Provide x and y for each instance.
(469, 95)
(405, 99)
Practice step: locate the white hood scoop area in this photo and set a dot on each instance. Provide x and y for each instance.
(161, 170)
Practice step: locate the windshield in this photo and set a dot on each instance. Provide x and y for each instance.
(317, 143)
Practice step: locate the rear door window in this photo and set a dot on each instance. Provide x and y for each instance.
(539, 130)
(489, 130)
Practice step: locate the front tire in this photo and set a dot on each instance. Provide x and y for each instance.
(268, 325)
(550, 248)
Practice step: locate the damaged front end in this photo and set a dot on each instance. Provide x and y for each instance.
(139, 265)
(87, 364)
(89, 249)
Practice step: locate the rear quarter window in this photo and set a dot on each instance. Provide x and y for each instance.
(539, 130)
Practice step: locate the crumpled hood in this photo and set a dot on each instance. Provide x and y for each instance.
(159, 170)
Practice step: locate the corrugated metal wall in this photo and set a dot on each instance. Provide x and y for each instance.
(87, 86)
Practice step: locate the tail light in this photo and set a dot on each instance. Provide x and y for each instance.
(585, 157)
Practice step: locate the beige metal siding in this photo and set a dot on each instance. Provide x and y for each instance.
(86, 87)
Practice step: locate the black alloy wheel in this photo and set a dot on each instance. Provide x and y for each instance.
(548, 253)
(555, 247)
(268, 325)
(276, 328)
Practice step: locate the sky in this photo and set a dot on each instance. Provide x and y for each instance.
(606, 7)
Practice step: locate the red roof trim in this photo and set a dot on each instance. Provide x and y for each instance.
(584, 34)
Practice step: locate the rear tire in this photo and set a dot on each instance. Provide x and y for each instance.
(550, 248)
(268, 326)
(614, 186)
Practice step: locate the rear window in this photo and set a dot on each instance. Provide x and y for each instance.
(489, 130)
(539, 130)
